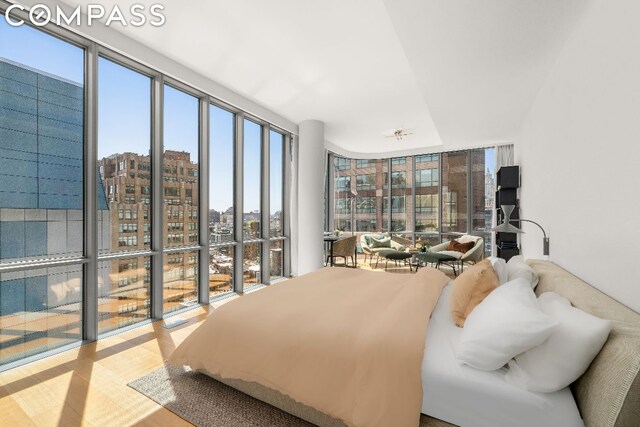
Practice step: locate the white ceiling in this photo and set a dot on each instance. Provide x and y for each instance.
(458, 72)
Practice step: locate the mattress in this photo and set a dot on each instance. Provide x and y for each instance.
(465, 396)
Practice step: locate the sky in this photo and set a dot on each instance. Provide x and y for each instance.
(124, 119)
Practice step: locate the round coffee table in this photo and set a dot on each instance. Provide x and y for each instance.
(437, 259)
(393, 255)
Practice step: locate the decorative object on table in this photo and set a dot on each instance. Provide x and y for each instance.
(422, 245)
(507, 227)
(337, 233)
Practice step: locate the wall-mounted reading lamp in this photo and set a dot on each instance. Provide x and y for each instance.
(506, 227)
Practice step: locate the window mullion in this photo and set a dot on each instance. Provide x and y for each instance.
(90, 286)
(203, 208)
(157, 200)
(286, 204)
(265, 217)
(238, 208)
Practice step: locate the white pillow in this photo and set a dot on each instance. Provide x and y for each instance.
(467, 238)
(518, 268)
(568, 352)
(508, 322)
(500, 266)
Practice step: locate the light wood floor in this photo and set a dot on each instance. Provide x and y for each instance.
(88, 385)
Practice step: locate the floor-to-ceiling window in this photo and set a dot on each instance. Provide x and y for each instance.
(343, 175)
(483, 172)
(428, 198)
(41, 191)
(124, 161)
(369, 195)
(80, 123)
(221, 200)
(401, 191)
(181, 198)
(427, 185)
(455, 194)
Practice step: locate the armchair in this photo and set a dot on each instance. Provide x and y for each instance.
(473, 255)
(344, 248)
(367, 250)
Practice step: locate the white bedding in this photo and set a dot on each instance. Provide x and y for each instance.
(469, 397)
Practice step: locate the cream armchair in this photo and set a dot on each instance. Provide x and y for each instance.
(367, 250)
(473, 255)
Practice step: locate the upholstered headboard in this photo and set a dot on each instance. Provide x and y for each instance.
(608, 394)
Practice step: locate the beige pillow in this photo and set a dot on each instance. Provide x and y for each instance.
(470, 288)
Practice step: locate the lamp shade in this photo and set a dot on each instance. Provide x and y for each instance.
(506, 227)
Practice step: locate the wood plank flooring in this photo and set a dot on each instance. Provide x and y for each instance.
(87, 386)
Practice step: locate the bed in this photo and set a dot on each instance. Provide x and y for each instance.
(606, 395)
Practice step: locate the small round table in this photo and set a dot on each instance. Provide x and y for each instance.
(437, 259)
(393, 255)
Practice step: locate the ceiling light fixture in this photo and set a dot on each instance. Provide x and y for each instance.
(398, 133)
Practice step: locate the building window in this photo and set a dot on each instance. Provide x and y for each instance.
(366, 205)
(342, 164)
(397, 204)
(362, 164)
(366, 182)
(427, 203)
(427, 177)
(343, 183)
(343, 206)
(425, 158)
(171, 191)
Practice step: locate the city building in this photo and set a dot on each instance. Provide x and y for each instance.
(127, 185)
(41, 209)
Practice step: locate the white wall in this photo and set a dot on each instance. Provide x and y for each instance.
(579, 151)
(308, 226)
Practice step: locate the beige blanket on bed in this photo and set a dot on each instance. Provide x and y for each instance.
(346, 342)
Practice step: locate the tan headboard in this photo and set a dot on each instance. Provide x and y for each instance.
(608, 394)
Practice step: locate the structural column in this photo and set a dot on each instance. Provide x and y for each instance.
(308, 231)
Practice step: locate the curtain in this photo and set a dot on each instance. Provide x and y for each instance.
(293, 207)
(504, 156)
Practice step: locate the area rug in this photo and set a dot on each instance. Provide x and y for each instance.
(203, 401)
